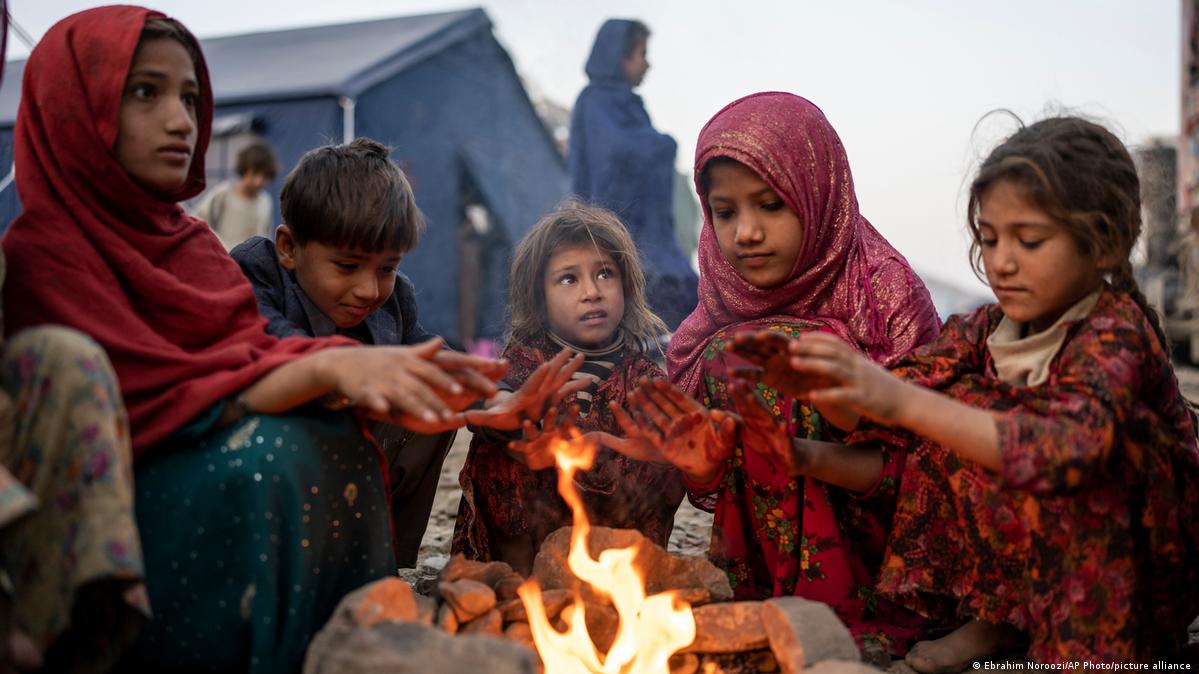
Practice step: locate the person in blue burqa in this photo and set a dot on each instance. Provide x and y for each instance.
(618, 160)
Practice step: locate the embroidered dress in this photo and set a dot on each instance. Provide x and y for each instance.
(776, 535)
(1086, 537)
(506, 504)
(252, 535)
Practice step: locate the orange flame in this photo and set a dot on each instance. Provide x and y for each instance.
(651, 628)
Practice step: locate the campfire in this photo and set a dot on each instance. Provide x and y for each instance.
(599, 601)
(651, 628)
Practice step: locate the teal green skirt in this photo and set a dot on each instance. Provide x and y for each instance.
(251, 536)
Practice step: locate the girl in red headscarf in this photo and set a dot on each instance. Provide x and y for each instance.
(253, 524)
(784, 249)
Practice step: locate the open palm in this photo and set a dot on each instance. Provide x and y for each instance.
(549, 384)
(664, 424)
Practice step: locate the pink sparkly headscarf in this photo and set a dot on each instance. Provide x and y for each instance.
(846, 277)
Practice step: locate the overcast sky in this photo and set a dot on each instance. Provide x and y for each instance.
(904, 83)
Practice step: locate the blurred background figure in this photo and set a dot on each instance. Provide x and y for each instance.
(619, 161)
(239, 209)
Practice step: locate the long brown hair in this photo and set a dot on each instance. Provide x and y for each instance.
(1082, 176)
(578, 224)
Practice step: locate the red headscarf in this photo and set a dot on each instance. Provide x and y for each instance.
(96, 252)
(846, 277)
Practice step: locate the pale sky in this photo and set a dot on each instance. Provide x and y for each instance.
(904, 83)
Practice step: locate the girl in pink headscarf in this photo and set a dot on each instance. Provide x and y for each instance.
(784, 249)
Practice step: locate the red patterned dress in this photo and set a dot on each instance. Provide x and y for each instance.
(776, 535)
(1087, 535)
(503, 502)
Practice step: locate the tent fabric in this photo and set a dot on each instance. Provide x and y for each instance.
(339, 60)
(472, 130)
(619, 161)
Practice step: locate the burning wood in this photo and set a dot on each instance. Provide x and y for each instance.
(625, 610)
(651, 628)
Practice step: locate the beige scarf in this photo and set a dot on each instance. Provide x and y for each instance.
(1024, 361)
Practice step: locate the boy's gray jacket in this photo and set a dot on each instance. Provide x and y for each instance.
(283, 303)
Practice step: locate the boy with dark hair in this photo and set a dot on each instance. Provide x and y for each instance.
(349, 215)
(240, 209)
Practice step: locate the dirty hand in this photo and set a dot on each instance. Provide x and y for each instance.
(549, 384)
(760, 431)
(533, 450)
(388, 382)
(476, 376)
(856, 384)
(470, 378)
(771, 358)
(665, 425)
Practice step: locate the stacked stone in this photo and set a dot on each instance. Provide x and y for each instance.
(387, 626)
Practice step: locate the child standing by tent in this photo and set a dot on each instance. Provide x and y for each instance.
(576, 285)
(241, 209)
(1052, 485)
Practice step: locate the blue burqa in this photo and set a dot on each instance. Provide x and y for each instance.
(618, 160)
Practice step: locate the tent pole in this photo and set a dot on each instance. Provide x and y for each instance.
(347, 118)
(12, 173)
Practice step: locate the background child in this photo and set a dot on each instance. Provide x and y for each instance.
(256, 511)
(784, 248)
(240, 209)
(1052, 482)
(349, 216)
(576, 285)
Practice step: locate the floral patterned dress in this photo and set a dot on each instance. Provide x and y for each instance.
(505, 502)
(1087, 535)
(776, 535)
(75, 561)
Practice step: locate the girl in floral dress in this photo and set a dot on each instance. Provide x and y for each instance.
(1052, 484)
(784, 248)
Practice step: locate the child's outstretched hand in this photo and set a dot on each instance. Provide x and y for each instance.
(666, 425)
(770, 354)
(392, 381)
(534, 449)
(472, 378)
(476, 376)
(548, 385)
(854, 381)
(760, 431)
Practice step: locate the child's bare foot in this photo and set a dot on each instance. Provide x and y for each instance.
(956, 650)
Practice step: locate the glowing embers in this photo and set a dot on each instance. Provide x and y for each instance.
(651, 628)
